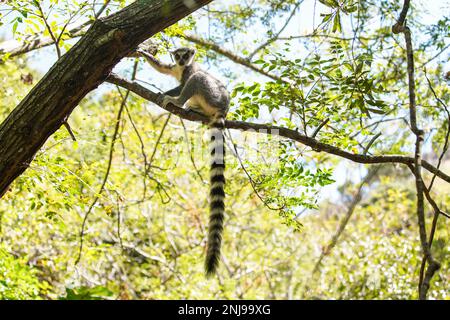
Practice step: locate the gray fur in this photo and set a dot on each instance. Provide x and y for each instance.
(205, 94)
(212, 90)
(195, 81)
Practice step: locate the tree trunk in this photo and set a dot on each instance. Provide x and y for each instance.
(78, 72)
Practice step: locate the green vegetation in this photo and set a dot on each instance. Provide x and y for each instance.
(340, 78)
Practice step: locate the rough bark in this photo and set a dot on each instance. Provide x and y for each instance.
(78, 72)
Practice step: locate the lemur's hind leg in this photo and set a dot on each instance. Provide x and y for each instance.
(186, 93)
(172, 92)
(195, 109)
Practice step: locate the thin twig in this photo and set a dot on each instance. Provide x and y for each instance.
(351, 208)
(58, 52)
(191, 156)
(144, 155)
(319, 127)
(447, 135)
(108, 169)
(119, 217)
(36, 41)
(252, 182)
(232, 56)
(275, 37)
(375, 137)
(69, 129)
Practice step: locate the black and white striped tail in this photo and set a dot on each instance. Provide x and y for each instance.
(217, 196)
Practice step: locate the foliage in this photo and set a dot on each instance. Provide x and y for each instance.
(17, 280)
(344, 84)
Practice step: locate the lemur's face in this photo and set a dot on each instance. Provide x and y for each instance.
(183, 56)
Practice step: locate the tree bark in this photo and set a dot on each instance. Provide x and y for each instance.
(78, 72)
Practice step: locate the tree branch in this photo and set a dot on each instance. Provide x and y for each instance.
(108, 168)
(424, 281)
(83, 68)
(351, 208)
(447, 135)
(275, 37)
(268, 129)
(230, 55)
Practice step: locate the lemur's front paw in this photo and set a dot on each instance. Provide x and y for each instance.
(149, 46)
(142, 51)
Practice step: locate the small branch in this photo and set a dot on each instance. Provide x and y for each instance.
(34, 42)
(230, 55)
(351, 208)
(69, 129)
(108, 169)
(375, 137)
(158, 141)
(275, 37)
(433, 203)
(58, 52)
(49, 29)
(100, 11)
(252, 182)
(317, 35)
(105, 179)
(447, 135)
(190, 152)
(144, 155)
(119, 218)
(435, 56)
(320, 127)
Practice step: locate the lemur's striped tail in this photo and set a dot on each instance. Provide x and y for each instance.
(217, 196)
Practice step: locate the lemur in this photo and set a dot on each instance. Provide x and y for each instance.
(202, 93)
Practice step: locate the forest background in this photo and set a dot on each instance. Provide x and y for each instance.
(337, 162)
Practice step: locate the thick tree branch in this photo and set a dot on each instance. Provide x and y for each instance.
(268, 129)
(78, 72)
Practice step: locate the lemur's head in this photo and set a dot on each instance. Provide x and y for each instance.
(183, 56)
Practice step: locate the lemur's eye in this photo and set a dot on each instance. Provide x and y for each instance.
(186, 55)
(177, 56)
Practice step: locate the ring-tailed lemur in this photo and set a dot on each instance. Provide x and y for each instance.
(202, 93)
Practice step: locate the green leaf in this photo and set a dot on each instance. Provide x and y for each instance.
(337, 22)
(14, 27)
